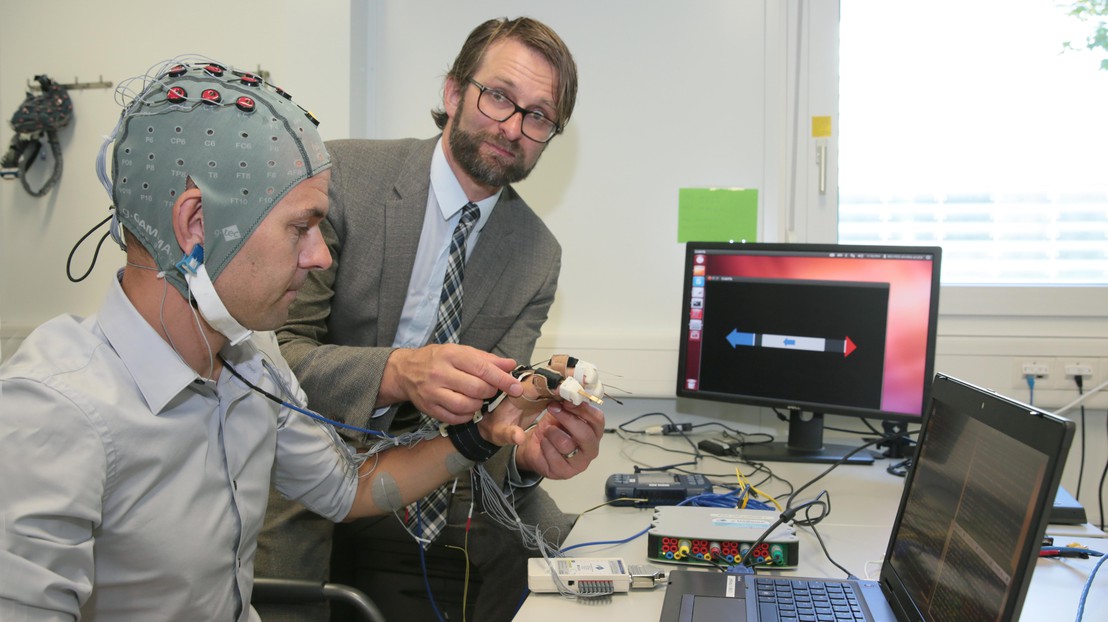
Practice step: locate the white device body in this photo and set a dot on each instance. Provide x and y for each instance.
(581, 575)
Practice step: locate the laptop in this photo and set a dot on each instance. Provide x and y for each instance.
(966, 536)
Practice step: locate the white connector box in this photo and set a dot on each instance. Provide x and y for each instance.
(579, 575)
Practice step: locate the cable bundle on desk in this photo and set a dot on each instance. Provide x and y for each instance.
(744, 496)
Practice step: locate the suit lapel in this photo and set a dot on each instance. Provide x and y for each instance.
(404, 214)
(489, 260)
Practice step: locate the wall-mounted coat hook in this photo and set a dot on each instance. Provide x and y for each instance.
(75, 85)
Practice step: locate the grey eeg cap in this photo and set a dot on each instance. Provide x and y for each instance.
(242, 141)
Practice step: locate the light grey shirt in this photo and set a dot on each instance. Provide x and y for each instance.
(131, 489)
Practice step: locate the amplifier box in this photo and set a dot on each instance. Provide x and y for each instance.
(723, 536)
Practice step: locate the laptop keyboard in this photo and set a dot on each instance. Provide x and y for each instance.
(806, 601)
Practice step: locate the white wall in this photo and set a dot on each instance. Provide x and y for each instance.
(306, 51)
(671, 95)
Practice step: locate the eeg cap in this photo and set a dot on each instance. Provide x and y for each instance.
(241, 140)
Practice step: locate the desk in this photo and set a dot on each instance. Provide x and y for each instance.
(864, 503)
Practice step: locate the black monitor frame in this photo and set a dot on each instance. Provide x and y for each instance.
(843, 281)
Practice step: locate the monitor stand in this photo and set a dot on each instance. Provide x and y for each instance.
(805, 444)
(897, 445)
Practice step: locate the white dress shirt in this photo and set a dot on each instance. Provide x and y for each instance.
(444, 209)
(131, 489)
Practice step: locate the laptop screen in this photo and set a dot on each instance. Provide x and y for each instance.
(974, 507)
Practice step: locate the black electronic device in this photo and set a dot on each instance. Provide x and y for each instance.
(810, 329)
(649, 490)
(1067, 510)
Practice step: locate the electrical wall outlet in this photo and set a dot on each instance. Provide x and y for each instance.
(1088, 369)
(1038, 368)
(1085, 370)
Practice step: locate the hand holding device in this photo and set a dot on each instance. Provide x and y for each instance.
(447, 382)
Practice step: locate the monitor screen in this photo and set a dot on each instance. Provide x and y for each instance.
(813, 329)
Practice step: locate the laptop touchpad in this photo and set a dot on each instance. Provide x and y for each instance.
(699, 608)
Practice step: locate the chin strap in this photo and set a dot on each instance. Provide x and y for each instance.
(207, 300)
(211, 307)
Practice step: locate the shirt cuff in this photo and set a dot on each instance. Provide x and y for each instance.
(520, 480)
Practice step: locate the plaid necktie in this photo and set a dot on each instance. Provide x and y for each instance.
(432, 509)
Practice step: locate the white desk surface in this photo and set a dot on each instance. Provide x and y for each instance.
(864, 501)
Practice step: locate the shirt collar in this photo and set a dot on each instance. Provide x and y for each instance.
(158, 371)
(448, 191)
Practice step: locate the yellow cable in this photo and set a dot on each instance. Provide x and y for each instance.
(742, 479)
(775, 503)
(465, 586)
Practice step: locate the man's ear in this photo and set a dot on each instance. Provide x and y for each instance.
(451, 96)
(188, 219)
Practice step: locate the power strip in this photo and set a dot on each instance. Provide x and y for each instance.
(587, 576)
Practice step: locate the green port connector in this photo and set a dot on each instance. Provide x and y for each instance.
(778, 554)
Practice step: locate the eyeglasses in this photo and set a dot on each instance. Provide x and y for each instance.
(494, 104)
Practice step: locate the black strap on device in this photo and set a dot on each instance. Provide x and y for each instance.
(468, 441)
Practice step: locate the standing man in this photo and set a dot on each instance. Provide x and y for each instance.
(138, 445)
(364, 336)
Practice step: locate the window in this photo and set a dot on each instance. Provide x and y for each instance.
(965, 126)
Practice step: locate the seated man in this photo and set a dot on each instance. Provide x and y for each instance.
(370, 340)
(138, 445)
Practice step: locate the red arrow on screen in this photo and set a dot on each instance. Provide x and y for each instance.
(850, 347)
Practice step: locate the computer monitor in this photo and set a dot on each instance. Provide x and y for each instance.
(811, 329)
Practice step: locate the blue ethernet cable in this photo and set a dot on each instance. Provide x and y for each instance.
(598, 543)
(1085, 590)
(729, 500)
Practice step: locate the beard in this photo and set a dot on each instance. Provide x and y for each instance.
(465, 146)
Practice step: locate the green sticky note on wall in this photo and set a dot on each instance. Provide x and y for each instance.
(717, 215)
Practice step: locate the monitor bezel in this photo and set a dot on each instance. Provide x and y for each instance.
(799, 406)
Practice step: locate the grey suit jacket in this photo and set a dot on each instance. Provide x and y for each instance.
(342, 324)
